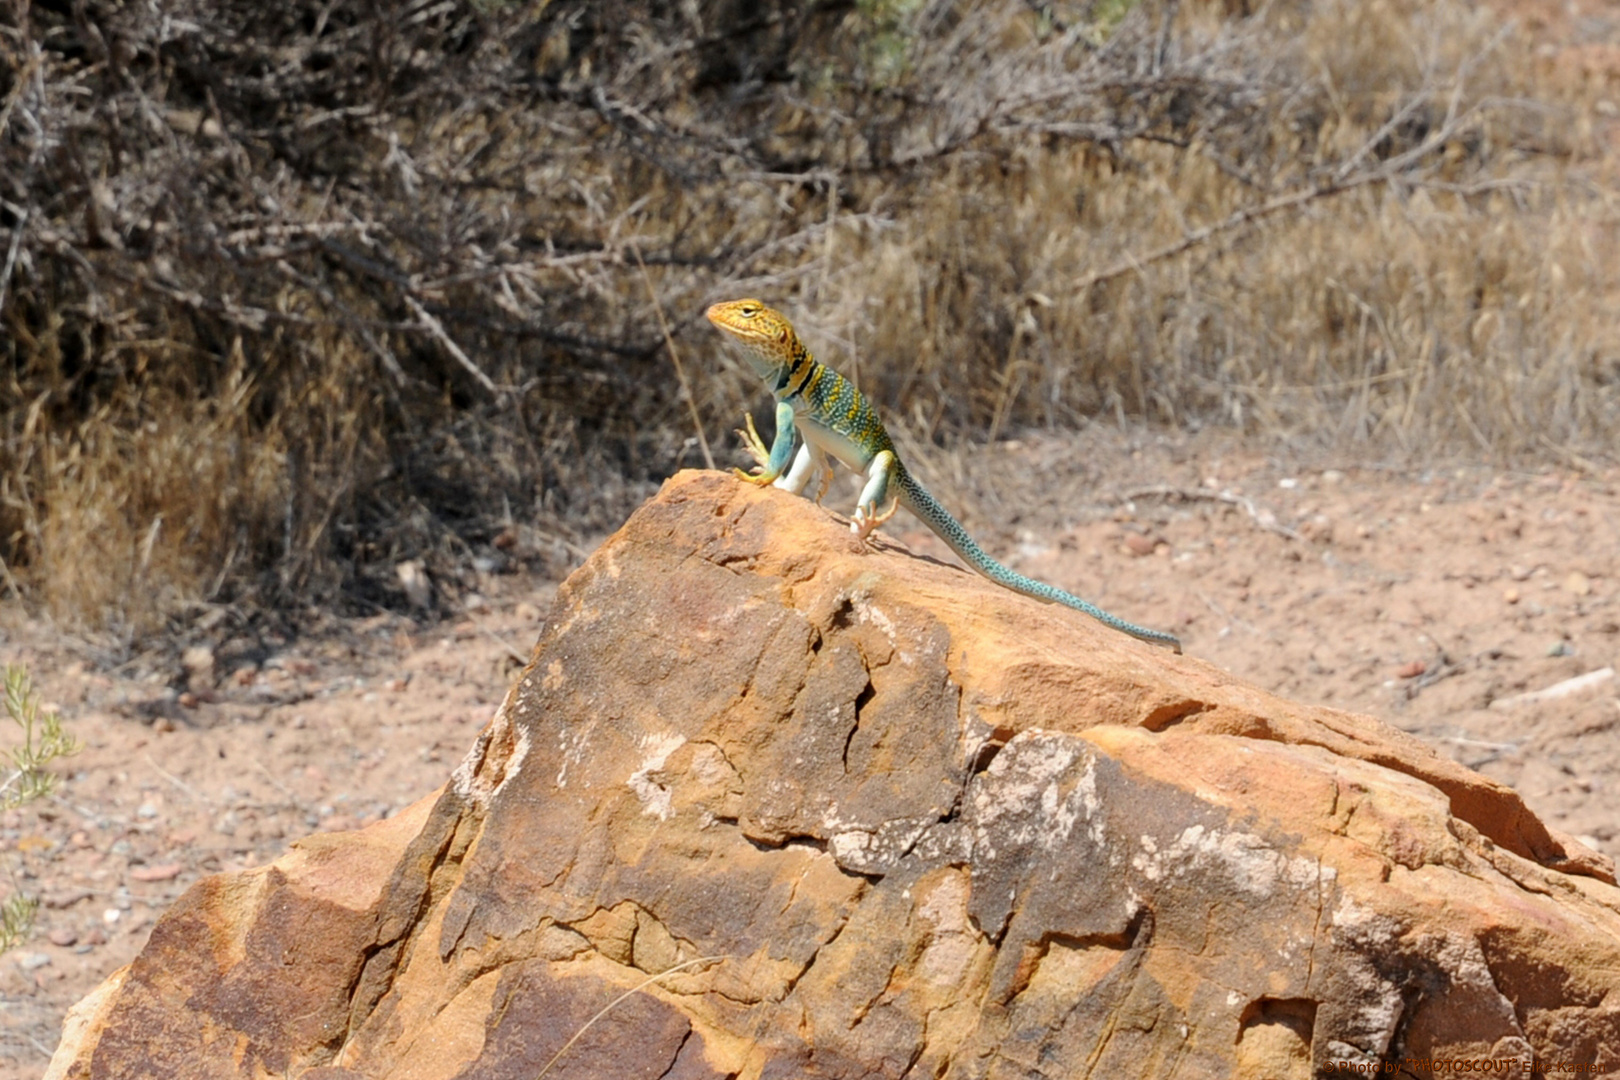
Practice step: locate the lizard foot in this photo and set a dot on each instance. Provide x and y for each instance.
(826, 482)
(761, 476)
(867, 519)
(752, 442)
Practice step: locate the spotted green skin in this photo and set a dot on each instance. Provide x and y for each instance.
(838, 421)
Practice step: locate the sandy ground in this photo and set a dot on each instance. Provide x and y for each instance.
(1430, 599)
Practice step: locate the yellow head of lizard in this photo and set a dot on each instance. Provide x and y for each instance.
(767, 338)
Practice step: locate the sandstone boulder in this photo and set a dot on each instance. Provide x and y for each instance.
(919, 826)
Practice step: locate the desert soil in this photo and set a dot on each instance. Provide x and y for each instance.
(1431, 599)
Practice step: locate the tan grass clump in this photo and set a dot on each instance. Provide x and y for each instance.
(291, 294)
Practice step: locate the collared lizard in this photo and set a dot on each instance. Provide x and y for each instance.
(837, 420)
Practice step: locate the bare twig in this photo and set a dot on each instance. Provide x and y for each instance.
(292, 797)
(1387, 172)
(1579, 684)
(11, 252)
(674, 358)
(20, 84)
(610, 1006)
(1585, 465)
(436, 328)
(11, 582)
(507, 648)
(568, 545)
(1262, 517)
(181, 785)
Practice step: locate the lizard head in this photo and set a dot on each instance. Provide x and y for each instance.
(766, 337)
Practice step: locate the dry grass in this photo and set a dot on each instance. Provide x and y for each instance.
(290, 295)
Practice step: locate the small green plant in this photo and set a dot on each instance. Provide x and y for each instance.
(43, 741)
(16, 919)
(1108, 14)
(886, 47)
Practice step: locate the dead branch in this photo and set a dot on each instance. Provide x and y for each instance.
(436, 328)
(1262, 517)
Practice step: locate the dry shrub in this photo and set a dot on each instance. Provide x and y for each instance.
(294, 292)
(1463, 298)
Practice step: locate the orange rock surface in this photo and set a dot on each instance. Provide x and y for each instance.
(921, 826)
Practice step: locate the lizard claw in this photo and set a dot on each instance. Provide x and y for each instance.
(761, 474)
(867, 519)
(753, 443)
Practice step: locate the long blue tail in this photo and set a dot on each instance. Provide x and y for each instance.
(914, 497)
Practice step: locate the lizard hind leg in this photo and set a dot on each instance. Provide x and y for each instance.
(865, 524)
(867, 515)
(826, 481)
(821, 471)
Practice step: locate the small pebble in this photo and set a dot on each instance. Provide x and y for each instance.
(31, 961)
(1318, 529)
(1578, 584)
(199, 663)
(63, 936)
(95, 937)
(1511, 596)
(1411, 670)
(111, 916)
(161, 872)
(146, 810)
(65, 899)
(1138, 545)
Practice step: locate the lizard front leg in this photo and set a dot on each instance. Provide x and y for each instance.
(867, 516)
(770, 464)
(806, 464)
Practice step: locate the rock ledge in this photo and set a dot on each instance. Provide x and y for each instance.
(928, 827)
